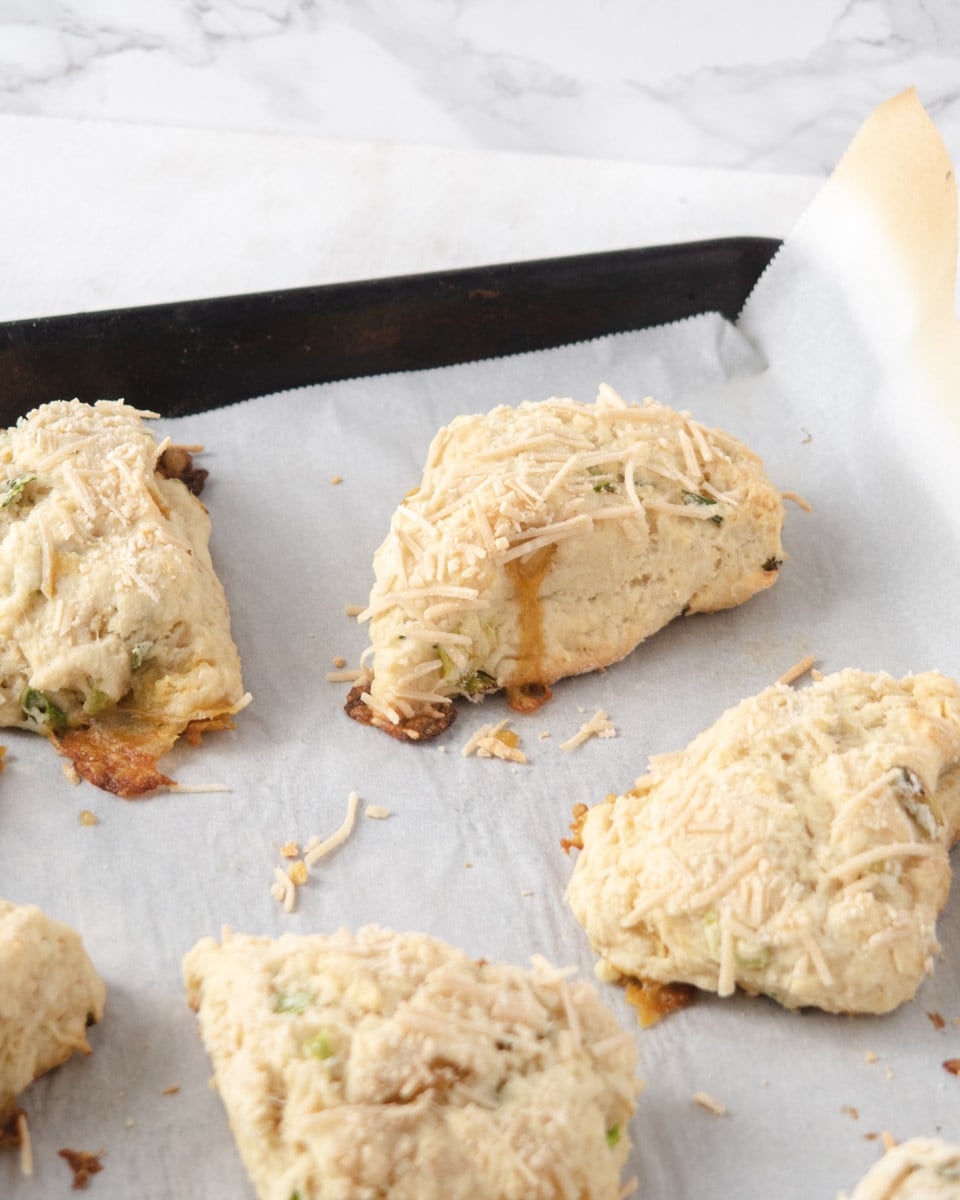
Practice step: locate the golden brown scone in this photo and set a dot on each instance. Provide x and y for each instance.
(550, 539)
(798, 848)
(920, 1169)
(379, 1064)
(49, 994)
(114, 630)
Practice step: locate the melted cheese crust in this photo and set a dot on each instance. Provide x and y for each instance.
(48, 992)
(797, 848)
(550, 539)
(108, 597)
(374, 1065)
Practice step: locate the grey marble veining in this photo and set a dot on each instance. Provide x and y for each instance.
(747, 84)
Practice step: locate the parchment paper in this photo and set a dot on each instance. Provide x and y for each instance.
(837, 376)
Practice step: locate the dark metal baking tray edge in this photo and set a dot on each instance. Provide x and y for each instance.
(193, 355)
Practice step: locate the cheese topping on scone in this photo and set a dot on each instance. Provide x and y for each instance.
(114, 630)
(49, 994)
(550, 539)
(798, 848)
(920, 1169)
(376, 1065)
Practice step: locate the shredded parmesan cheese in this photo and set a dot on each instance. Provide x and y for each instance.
(315, 849)
(710, 1103)
(26, 1146)
(599, 725)
(197, 788)
(494, 741)
(348, 676)
(799, 501)
(798, 670)
(376, 812)
(283, 890)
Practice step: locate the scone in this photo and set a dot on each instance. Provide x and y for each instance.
(114, 630)
(798, 848)
(49, 994)
(378, 1064)
(921, 1169)
(550, 539)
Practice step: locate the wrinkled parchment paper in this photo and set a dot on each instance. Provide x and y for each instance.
(841, 375)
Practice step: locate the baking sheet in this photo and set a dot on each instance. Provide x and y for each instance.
(871, 582)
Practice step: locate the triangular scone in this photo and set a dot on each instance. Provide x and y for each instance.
(550, 539)
(924, 1168)
(798, 848)
(114, 629)
(49, 994)
(378, 1064)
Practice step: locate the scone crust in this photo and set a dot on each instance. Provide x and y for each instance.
(798, 848)
(49, 994)
(552, 538)
(373, 1065)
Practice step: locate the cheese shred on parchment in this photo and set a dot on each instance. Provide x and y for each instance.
(599, 725)
(495, 741)
(798, 670)
(315, 849)
(26, 1146)
(284, 887)
(710, 1103)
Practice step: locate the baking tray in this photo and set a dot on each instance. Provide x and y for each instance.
(194, 355)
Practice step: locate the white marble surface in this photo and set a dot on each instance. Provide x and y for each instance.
(746, 84)
(373, 138)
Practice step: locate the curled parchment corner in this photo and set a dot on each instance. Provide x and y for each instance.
(866, 284)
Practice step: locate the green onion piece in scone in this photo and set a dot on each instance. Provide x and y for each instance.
(319, 1046)
(477, 683)
(138, 655)
(697, 498)
(41, 709)
(12, 489)
(292, 1002)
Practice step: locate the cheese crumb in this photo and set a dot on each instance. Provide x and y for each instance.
(26, 1146)
(70, 772)
(289, 849)
(870, 1057)
(171, 1090)
(710, 1103)
(348, 676)
(798, 670)
(339, 662)
(599, 725)
(377, 812)
(336, 479)
(298, 873)
(353, 610)
(495, 741)
(88, 818)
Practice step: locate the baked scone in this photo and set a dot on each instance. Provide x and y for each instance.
(920, 1169)
(550, 539)
(379, 1064)
(114, 629)
(49, 994)
(798, 848)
